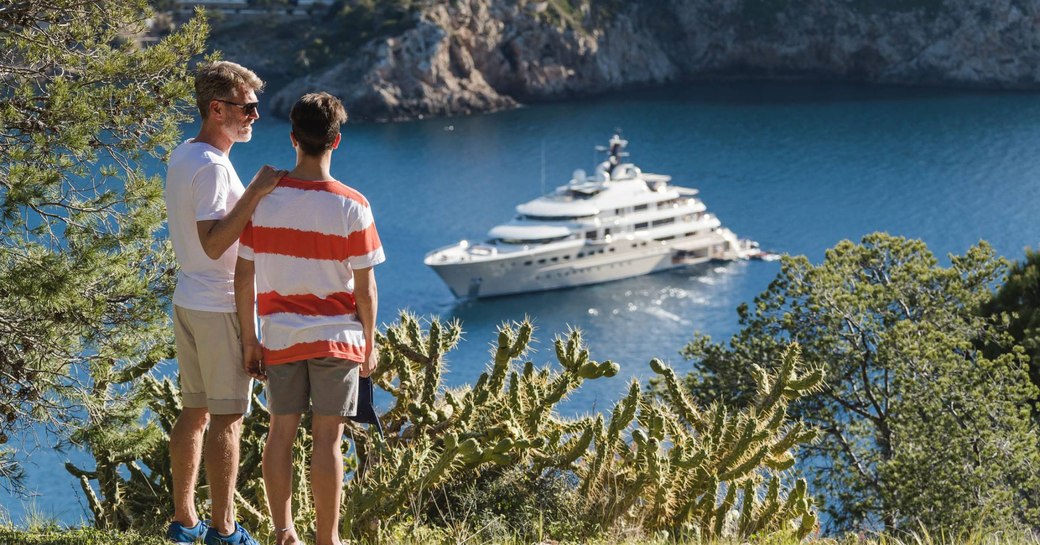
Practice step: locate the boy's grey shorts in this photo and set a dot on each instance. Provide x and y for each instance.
(329, 386)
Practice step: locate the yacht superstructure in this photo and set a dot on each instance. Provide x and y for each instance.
(617, 223)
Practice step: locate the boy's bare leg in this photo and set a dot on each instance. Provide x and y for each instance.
(278, 474)
(327, 476)
(185, 458)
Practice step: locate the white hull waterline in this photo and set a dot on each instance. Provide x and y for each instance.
(619, 223)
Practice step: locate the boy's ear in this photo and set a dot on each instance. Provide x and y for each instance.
(335, 143)
(292, 138)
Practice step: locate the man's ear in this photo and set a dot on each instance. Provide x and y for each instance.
(335, 143)
(215, 107)
(292, 138)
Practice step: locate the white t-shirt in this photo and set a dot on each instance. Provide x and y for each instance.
(201, 185)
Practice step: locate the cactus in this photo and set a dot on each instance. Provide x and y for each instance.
(710, 481)
(665, 464)
(506, 419)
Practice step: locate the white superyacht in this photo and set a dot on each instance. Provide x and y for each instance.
(618, 223)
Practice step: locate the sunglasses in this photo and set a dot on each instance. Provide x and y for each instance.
(248, 108)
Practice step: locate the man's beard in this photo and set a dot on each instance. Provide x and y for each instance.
(241, 133)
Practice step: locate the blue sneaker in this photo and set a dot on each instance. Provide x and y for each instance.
(239, 537)
(182, 535)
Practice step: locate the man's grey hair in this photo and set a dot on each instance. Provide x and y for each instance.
(219, 80)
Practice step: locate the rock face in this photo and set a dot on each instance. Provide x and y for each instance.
(480, 55)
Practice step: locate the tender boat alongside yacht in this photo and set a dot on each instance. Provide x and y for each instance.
(617, 223)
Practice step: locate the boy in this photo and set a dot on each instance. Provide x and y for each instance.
(311, 246)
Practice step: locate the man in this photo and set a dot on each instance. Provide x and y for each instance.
(310, 247)
(207, 208)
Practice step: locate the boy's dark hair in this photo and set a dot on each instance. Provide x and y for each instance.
(316, 118)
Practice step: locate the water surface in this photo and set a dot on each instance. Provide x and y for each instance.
(797, 167)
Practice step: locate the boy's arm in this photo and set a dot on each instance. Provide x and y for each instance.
(245, 296)
(367, 300)
(216, 236)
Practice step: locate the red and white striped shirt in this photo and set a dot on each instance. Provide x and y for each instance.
(306, 238)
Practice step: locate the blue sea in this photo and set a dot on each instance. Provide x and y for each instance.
(795, 166)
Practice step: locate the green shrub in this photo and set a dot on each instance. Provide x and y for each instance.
(1016, 305)
(918, 424)
(513, 504)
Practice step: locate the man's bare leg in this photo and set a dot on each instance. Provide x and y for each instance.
(186, 439)
(278, 474)
(222, 451)
(327, 476)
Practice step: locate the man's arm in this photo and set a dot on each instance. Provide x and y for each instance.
(245, 296)
(217, 236)
(367, 300)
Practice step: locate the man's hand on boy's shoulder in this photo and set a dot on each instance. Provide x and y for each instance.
(370, 363)
(266, 179)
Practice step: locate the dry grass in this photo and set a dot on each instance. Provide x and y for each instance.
(459, 536)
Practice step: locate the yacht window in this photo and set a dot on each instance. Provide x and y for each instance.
(669, 203)
(532, 217)
(525, 241)
(664, 221)
(619, 211)
(567, 257)
(580, 194)
(555, 259)
(612, 249)
(540, 261)
(643, 225)
(581, 255)
(662, 239)
(590, 234)
(691, 233)
(527, 263)
(606, 231)
(635, 245)
(640, 207)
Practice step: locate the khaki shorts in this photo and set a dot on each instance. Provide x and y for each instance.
(329, 384)
(209, 354)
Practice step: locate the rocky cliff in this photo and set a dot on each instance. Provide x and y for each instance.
(468, 56)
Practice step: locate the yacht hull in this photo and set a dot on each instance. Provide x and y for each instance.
(511, 276)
